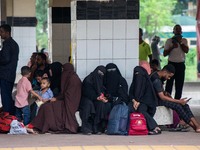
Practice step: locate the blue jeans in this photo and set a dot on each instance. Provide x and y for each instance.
(6, 88)
(24, 114)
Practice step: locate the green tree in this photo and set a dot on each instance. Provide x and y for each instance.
(155, 14)
(41, 29)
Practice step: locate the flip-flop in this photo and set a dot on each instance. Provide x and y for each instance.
(153, 132)
(183, 126)
(175, 129)
(157, 129)
(178, 130)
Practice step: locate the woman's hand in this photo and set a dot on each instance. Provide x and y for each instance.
(102, 98)
(135, 104)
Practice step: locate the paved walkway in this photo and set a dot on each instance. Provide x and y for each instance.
(166, 141)
(128, 147)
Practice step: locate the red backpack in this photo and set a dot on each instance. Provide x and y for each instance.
(5, 121)
(138, 125)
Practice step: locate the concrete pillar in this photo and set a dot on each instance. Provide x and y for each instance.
(2, 11)
(21, 16)
(104, 32)
(59, 30)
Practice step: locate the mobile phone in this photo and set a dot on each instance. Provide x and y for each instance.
(189, 99)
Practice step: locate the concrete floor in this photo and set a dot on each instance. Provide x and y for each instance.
(165, 141)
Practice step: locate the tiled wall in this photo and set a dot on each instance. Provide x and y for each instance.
(60, 34)
(24, 33)
(26, 39)
(104, 32)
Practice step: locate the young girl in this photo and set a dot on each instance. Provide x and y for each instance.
(46, 94)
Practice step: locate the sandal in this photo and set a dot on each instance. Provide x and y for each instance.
(183, 126)
(178, 130)
(158, 130)
(154, 132)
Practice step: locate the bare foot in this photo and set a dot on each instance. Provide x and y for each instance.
(32, 131)
(197, 130)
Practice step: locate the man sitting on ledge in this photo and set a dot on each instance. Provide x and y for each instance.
(179, 105)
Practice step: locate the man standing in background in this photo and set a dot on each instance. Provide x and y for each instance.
(155, 49)
(144, 48)
(175, 48)
(8, 65)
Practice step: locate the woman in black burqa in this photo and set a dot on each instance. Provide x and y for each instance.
(116, 85)
(143, 97)
(94, 107)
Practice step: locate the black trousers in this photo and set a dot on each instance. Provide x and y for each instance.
(178, 77)
(183, 111)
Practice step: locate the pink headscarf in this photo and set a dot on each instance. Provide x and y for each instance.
(146, 66)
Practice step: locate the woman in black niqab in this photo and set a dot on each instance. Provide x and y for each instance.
(94, 112)
(116, 85)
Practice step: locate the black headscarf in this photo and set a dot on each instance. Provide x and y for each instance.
(55, 77)
(97, 78)
(112, 79)
(116, 85)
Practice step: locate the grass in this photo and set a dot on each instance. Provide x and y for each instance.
(191, 68)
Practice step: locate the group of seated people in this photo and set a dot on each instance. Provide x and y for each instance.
(94, 98)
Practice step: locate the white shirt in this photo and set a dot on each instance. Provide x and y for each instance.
(177, 54)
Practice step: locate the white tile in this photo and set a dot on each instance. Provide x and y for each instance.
(74, 30)
(130, 65)
(25, 41)
(18, 40)
(132, 49)
(104, 62)
(33, 31)
(81, 49)
(25, 31)
(106, 47)
(16, 31)
(92, 49)
(106, 29)
(132, 29)
(92, 29)
(81, 68)
(81, 29)
(119, 49)
(66, 28)
(73, 10)
(119, 31)
(57, 47)
(32, 42)
(57, 32)
(91, 65)
(129, 83)
(121, 65)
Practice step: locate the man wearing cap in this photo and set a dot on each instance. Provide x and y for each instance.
(179, 105)
(175, 48)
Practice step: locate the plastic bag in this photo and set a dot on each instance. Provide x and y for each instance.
(17, 127)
